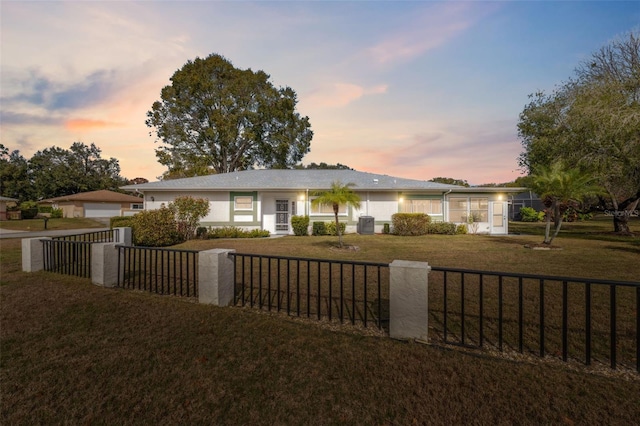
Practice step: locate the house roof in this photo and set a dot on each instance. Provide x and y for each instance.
(314, 179)
(290, 179)
(103, 195)
(7, 199)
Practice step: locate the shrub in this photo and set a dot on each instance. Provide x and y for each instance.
(410, 223)
(444, 228)
(120, 221)
(319, 228)
(386, 228)
(462, 229)
(300, 225)
(330, 228)
(188, 211)
(45, 209)
(29, 209)
(56, 213)
(529, 214)
(235, 232)
(201, 232)
(155, 228)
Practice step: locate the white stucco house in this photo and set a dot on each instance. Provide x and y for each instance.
(266, 199)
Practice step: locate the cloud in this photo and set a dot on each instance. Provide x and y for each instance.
(339, 95)
(18, 118)
(85, 124)
(434, 27)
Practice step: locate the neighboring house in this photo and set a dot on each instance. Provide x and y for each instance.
(3, 206)
(266, 199)
(101, 203)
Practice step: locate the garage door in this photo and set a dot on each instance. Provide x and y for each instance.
(101, 210)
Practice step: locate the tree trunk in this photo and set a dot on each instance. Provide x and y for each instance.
(336, 208)
(547, 229)
(623, 211)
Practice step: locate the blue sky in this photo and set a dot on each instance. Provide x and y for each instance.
(412, 89)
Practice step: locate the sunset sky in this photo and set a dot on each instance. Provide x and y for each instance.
(411, 89)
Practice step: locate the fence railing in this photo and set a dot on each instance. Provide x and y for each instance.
(67, 257)
(71, 254)
(106, 236)
(578, 318)
(357, 292)
(158, 270)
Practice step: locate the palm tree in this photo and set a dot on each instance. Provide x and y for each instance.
(559, 189)
(339, 194)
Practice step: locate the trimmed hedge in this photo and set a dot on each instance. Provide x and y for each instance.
(410, 224)
(319, 228)
(446, 228)
(121, 221)
(328, 228)
(331, 228)
(235, 232)
(300, 225)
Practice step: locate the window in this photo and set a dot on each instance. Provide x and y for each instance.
(137, 206)
(422, 206)
(326, 210)
(461, 208)
(243, 203)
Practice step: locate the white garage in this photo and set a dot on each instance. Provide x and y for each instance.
(101, 209)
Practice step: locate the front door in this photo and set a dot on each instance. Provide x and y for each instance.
(282, 216)
(499, 218)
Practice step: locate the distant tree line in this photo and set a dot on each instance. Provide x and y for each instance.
(55, 172)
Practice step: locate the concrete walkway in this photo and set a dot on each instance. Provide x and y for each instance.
(7, 233)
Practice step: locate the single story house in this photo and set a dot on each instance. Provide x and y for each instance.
(103, 203)
(266, 199)
(3, 206)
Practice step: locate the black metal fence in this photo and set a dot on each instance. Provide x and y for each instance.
(106, 236)
(158, 270)
(71, 254)
(568, 318)
(67, 257)
(357, 292)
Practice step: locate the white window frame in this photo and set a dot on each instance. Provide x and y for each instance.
(137, 206)
(408, 206)
(472, 204)
(236, 206)
(314, 212)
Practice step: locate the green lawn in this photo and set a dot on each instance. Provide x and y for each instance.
(74, 353)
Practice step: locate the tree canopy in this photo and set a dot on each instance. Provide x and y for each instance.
(592, 122)
(560, 188)
(215, 118)
(450, 181)
(55, 172)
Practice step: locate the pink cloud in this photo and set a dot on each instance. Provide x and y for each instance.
(436, 26)
(339, 95)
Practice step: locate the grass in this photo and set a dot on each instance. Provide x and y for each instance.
(72, 352)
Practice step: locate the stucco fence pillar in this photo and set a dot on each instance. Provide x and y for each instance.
(33, 254)
(216, 277)
(408, 304)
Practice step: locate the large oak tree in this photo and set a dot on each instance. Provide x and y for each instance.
(593, 122)
(215, 118)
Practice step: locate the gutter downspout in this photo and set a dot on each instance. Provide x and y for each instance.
(445, 212)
